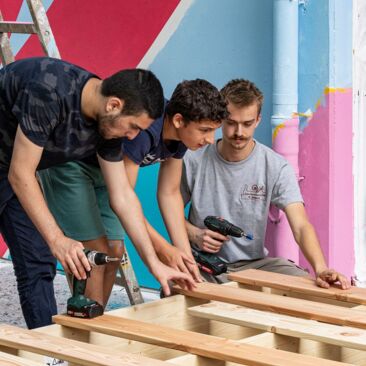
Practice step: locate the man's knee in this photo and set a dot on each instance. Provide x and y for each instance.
(285, 266)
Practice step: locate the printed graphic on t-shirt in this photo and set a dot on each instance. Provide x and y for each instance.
(254, 192)
(151, 159)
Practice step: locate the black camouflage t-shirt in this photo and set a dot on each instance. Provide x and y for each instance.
(43, 96)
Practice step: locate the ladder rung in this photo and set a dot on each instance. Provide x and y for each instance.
(17, 27)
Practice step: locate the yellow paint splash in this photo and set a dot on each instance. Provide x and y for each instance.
(329, 90)
(276, 130)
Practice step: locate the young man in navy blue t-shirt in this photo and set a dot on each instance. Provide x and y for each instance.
(191, 117)
(51, 112)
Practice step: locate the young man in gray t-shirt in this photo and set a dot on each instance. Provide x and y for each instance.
(238, 178)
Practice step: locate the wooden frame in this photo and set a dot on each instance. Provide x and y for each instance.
(196, 330)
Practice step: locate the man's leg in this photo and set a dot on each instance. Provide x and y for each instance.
(34, 265)
(270, 264)
(102, 278)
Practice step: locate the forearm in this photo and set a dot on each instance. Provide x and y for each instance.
(172, 209)
(310, 247)
(27, 189)
(157, 240)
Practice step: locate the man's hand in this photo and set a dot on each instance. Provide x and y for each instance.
(207, 240)
(329, 276)
(71, 255)
(178, 260)
(164, 274)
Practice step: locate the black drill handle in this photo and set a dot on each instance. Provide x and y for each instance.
(222, 226)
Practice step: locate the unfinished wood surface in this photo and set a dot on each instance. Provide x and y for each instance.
(11, 360)
(296, 284)
(282, 324)
(69, 350)
(199, 344)
(278, 304)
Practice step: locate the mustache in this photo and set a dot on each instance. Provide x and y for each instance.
(236, 137)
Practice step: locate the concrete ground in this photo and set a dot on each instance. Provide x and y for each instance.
(10, 311)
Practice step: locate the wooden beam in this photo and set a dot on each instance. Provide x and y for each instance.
(282, 324)
(69, 350)
(11, 360)
(278, 304)
(200, 344)
(296, 284)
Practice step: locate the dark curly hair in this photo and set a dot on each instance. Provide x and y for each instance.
(140, 90)
(197, 100)
(242, 93)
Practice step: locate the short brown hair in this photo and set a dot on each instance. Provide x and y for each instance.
(242, 93)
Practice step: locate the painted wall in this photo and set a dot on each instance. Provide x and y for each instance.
(325, 91)
(220, 40)
(216, 40)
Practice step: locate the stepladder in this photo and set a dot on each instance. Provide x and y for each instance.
(128, 280)
(40, 26)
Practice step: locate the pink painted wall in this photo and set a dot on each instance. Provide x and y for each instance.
(325, 162)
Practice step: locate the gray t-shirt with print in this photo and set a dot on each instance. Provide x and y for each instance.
(240, 192)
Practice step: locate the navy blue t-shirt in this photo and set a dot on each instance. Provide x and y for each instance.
(43, 96)
(149, 148)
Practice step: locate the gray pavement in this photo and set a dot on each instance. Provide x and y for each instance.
(10, 311)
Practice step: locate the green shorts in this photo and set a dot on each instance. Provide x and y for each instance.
(77, 196)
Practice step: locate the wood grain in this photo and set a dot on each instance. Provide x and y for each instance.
(278, 304)
(282, 324)
(69, 350)
(199, 344)
(302, 285)
(11, 360)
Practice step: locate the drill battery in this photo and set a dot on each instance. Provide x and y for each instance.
(209, 263)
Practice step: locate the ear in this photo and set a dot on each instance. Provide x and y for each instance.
(258, 120)
(114, 104)
(178, 120)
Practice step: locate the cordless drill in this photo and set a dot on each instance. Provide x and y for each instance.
(209, 262)
(78, 305)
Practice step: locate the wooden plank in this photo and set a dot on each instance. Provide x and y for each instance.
(278, 304)
(296, 284)
(196, 343)
(69, 350)
(11, 360)
(282, 324)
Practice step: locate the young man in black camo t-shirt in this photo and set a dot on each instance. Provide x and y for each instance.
(51, 112)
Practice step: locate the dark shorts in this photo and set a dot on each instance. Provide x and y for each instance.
(34, 265)
(77, 196)
(269, 264)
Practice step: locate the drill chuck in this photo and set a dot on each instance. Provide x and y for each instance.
(97, 258)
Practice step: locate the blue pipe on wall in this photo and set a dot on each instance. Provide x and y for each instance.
(285, 60)
(285, 103)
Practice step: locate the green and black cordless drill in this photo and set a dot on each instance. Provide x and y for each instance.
(78, 305)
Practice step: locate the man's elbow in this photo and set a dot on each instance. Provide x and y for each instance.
(15, 177)
(121, 202)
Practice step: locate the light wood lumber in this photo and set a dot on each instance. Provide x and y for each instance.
(302, 285)
(282, 324)
(11, 360)
(69, 350)
(199, 344)
(278, 304)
